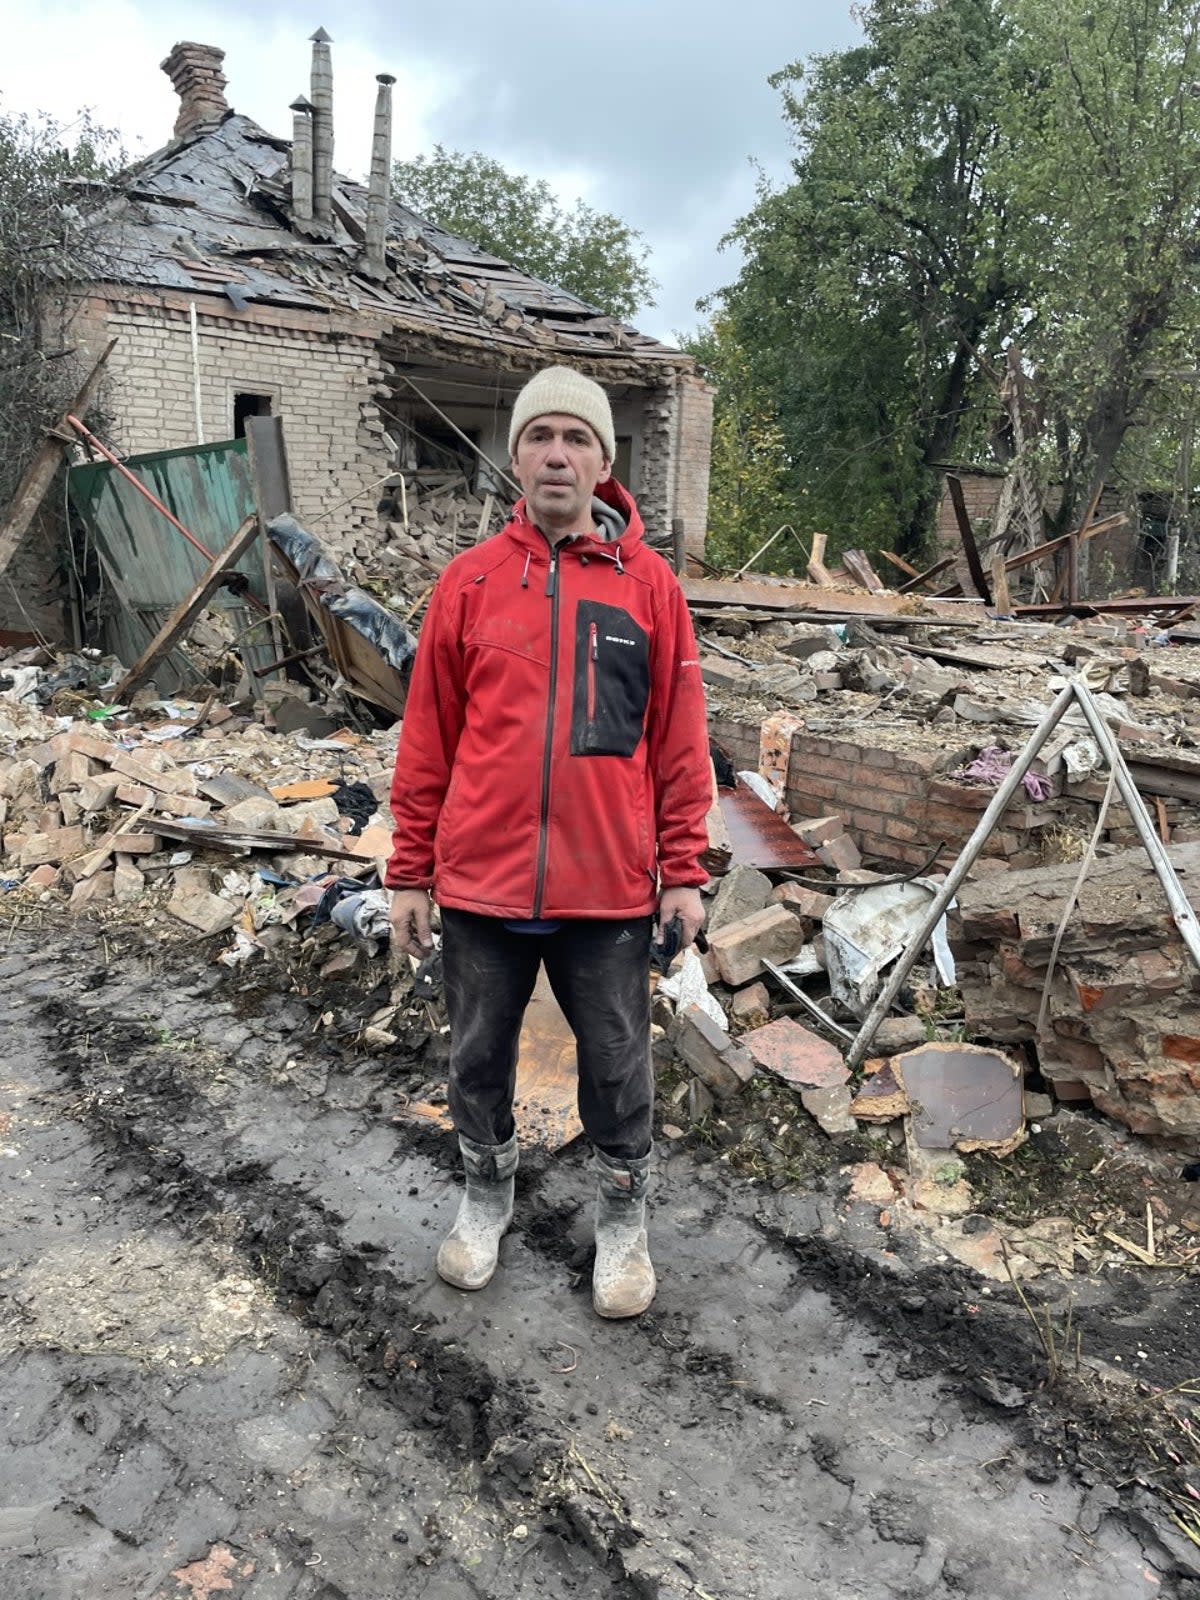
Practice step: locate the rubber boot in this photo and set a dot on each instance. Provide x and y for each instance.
(623, 1282)
(469, 1252)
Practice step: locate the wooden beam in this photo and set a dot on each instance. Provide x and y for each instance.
(899, 561)
(816, 568)
(861, 570)
(924, 577)
(967, 534)
(39, 475)
(1001, 594)
(186, 612)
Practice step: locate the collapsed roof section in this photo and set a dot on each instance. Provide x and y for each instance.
(215, 211)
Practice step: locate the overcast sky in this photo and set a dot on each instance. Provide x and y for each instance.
(654, 111)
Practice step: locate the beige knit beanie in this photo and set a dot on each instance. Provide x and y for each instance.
(560, 389)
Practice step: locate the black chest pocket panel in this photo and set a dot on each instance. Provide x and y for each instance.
(612, 681)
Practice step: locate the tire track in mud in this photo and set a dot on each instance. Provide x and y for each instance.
(676, 1451)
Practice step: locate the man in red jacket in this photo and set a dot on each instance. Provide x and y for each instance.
(551, 785)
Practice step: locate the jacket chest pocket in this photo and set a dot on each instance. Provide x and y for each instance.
(611, 683)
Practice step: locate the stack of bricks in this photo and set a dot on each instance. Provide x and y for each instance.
(899, 805)
(896, 804)
(1122, 1024)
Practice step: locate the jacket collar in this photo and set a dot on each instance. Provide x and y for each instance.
(530, 537)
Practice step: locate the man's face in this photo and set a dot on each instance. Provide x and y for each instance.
(558, 462)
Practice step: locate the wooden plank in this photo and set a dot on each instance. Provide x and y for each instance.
(186, 612)
(967, 535)
(924, 577)
(1001, 594)
(899, 561)
(794, 595)
(39, 475)
(817, 570)
(863, 573)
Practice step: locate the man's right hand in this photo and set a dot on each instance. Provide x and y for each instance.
(411, 927)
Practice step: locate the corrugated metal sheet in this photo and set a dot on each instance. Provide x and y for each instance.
(148, 563)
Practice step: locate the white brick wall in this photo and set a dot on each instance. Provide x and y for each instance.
(323, 387)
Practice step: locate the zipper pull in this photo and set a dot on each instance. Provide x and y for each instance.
(595, 643)
(552, 577)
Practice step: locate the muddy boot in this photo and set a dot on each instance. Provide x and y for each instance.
(623, 1282)
(468, 1254)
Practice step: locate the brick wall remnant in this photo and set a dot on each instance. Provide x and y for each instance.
(1123, 1022)
(195, 72)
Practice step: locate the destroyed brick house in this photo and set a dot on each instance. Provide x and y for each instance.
(860, 735)
(242, 275)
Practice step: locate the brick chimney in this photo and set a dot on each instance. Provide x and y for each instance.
(195, 71)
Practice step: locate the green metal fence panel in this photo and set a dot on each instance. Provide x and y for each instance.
(148, 563)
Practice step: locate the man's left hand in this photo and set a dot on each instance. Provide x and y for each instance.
(685, 904)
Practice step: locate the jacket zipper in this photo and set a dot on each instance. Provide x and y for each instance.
(544, 818)
(593, 657)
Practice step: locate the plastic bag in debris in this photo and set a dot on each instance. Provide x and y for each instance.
(20, 684)
(687, 987)
(242, 948)
(364, 915)
(865, 931)
(351, 605)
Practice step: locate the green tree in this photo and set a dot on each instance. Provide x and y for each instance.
(869, 280)
(750, 490)
(1103, 151)
(590, 253)
(975, 173)
(50, 194)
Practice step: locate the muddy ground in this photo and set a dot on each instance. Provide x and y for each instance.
(229, 1369)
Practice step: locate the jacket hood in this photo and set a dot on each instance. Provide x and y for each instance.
(614, 511)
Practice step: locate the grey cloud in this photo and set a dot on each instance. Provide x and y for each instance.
(662, 105)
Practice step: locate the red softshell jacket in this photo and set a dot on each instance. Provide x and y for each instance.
(553, 759)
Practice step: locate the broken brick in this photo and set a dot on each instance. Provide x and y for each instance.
(740, 948)
(719, 1063)
(89, 891)
(202, 910)
(751, 1006)
(816, 831)
(798, 1056)
(55, 847)
(804, 902)
(841, 854)
(70, 770)
(96, 794)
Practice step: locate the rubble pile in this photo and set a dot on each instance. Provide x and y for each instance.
(908, 736)
(425, 519)
(195, 817)
(1122, 1020)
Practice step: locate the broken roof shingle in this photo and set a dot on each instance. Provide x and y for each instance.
(218, 203)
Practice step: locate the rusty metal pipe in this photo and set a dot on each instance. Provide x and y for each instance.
(141, 488)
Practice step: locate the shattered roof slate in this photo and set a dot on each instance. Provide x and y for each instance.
(215, 208)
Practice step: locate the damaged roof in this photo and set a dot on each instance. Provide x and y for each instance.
(212, 213)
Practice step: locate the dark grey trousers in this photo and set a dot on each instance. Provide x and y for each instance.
(600, 974)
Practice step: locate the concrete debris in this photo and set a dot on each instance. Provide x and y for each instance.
(98, 798)
(742, 891)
